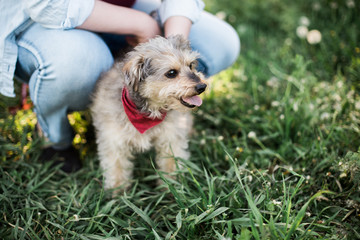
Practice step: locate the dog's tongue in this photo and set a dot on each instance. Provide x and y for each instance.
(195, 100)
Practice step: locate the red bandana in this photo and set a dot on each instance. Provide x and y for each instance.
(123, 3)
(140, 121)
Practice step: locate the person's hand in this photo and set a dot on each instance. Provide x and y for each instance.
(146, 30)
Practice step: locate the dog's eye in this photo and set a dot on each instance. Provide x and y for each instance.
(172, 73)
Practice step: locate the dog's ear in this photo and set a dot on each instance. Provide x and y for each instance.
(179, 42)
(136, 70)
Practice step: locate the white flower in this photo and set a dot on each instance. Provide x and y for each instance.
(324, 85)
(288, 41)
(256, 107)
(337, 106)
(313, 37)
(291, 79)
(340, 84)
(282, 117)
(342, 175)
(296, 107)
(221, 15)
(304, 21)
(325, 116)
(357, 105)
(350, 96)
(302, 31)
(241, 29)
(311, 106)
(337, 97)
(275, 103)
(237, 73)
(273, 82)
(350, 3)
(276, 202)
(316, 6)
(333, 5)
(76, 218)
(251, 135)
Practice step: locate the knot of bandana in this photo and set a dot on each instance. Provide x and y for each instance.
(139, 120)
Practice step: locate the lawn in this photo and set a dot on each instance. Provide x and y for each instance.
(275, 151)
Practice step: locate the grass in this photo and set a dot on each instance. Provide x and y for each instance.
(275, 153)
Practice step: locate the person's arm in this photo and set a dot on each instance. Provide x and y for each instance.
(177, 25)
(178, 16)
(109, 18)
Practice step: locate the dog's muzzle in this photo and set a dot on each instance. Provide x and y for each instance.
(194, 101)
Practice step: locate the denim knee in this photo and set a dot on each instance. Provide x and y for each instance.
(63, 67)
(216, 41)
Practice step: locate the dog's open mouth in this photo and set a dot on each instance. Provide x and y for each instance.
(191, 102)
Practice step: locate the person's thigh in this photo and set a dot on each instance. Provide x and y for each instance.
(62, 67)
(216, 41)
(68, 63)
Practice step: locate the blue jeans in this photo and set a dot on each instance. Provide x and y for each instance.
(62, 67)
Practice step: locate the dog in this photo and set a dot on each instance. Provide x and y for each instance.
(143, 102)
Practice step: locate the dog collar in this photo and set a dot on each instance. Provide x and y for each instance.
(139, 120)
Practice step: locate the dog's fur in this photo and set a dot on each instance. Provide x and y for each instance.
(144, 72)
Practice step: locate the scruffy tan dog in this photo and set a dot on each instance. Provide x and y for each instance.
(142, 102)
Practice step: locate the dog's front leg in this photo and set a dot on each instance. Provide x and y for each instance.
(117, 167)
(167, 149)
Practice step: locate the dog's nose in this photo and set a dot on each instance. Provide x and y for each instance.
(199, 88)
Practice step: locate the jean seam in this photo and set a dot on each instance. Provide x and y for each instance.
(41, 72)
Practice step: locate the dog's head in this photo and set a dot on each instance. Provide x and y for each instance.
(163, 73)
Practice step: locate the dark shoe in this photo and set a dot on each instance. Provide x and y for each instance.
(69, 158)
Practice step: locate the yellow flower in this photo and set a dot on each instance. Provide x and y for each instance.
(239, 149)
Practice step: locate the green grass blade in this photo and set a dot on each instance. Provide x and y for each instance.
(254, 230)
(157, 237)
(139, 212)
(301, 214)
(214, 214)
